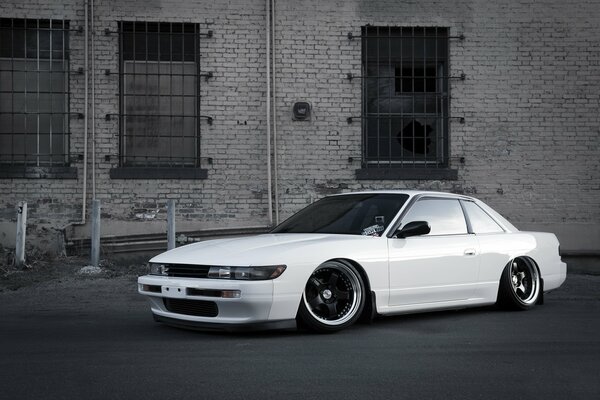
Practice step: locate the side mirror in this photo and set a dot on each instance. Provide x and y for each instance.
(414, 228)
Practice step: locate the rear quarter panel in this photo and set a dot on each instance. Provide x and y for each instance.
(547, 257)
(496, 251)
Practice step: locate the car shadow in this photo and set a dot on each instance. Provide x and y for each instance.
(403, 321)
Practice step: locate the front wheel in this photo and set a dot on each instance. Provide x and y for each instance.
(333, 297)
(519, 285)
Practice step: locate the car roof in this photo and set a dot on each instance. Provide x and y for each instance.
(409, 192)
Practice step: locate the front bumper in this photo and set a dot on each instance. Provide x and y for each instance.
(197, 303)
(215, 326)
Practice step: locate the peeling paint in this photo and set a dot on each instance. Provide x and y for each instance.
(148, 215)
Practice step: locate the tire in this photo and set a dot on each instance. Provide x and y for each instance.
(519, 285)
(333, 298)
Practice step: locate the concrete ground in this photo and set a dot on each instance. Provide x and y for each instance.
(93, 337)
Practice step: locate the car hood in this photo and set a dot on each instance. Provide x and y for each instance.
(268, 249)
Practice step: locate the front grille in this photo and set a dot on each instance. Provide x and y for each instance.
(198, 308)
(187, 270)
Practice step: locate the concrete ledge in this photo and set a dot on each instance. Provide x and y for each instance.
(141, 247)
(406, 174)
(158, 173)
(27, 172)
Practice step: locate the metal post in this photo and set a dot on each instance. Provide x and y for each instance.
(21, 227)
(170, 224)
(95, 247)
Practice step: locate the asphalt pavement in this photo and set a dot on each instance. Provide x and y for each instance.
(94, 338)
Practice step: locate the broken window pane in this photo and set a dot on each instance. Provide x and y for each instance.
(405, 96)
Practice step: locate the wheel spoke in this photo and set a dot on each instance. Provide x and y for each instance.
(333, 279)
(342, 294)
(315, 282)
(315, 302)
(332, 309)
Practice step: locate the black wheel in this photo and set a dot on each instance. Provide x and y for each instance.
(519, 285)
(333, 297)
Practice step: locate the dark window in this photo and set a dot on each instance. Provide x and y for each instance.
(34, 92)
(159, 94)
(405, 97)
(358, 214)
(445, 216)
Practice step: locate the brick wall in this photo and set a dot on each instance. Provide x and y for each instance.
(530, 140)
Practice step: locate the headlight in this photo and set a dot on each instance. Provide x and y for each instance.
(247, 273)
(158, 269)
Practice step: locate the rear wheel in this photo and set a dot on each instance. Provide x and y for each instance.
(519, 285)
(333, 297)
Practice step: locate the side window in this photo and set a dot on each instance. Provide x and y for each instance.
(445, 216)
(481, 222)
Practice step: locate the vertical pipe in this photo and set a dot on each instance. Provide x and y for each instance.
(93, 101)
(268, 54)
(95, 246)
(170, 224)
(37, 79)
(21, 228)
(85, 114)
(275, 153)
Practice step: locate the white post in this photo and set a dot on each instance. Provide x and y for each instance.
(21, 228)
(95, 245)
(170, 224)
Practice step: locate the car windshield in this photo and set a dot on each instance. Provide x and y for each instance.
(354, 214)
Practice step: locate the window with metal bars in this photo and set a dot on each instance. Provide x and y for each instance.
(34, 92)
(159, 86)
(405, 97)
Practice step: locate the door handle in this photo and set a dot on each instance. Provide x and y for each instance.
(469, 252)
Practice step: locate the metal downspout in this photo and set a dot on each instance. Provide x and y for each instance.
(275, 152)
(268, 53)
(93, 57)
(85, 114)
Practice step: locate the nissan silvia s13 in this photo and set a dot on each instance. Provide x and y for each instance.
(356, 255)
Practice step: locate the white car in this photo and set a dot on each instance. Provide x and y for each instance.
(356, 255)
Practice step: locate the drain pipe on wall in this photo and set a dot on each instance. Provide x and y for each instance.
(63, 230)
(268, 53)
(93, 113)
(275, 153)
(85, 115)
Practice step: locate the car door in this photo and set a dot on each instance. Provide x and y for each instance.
(440, 266)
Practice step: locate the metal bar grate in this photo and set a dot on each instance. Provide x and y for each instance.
(159, 111)
(34, 92)
(405, 96)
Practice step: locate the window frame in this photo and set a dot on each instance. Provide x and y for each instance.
(402, 167)
(58, 160)
(435, 198)
(174, 166)
(397, 222)
(468, 218)
(395, 225)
